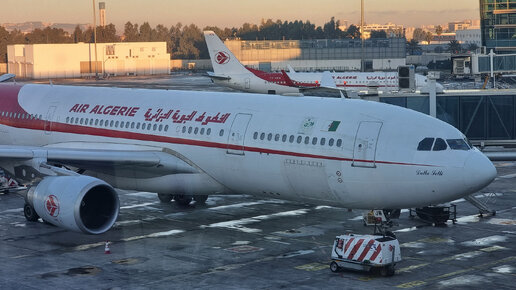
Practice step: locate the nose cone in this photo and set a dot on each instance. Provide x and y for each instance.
(479, 172)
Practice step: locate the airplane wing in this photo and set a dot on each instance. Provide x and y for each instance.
(218, 77)
(148, 162)
(291, 69)
(6, 77)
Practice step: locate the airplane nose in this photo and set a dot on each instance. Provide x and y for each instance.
(479, 171)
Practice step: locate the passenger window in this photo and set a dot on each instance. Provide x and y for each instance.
(116, 124)
(166, 128)
(189, 130)
(262, 136)
(101, 122)
(149, 126)
(276, 137)
(196, 130)
(138, 125)
(132, 125)
(184, 129)
(221, 133)
(439, 145)
(323, 141)
(299, 139)
(122, 124)
(67, 118)
(160, 128)
(255, 135)
(314, 141)
(425, 144)
(269, 136)
(208, 132)
(154, 127)
(291, 138)
(202, 132)
(111, 123)
(330, 143)
(339, 142)
(284, 138)
(307, 140)
(127, 125)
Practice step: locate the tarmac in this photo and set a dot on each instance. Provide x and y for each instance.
(243, 242)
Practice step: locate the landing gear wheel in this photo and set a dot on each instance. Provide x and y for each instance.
(392, 213)
(163, 197)
(182, 199)
(29, 213)
(334, 267)
(200, 199)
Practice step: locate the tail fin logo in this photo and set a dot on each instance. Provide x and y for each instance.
(222, 57)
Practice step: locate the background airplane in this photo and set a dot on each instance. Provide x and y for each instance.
(73, 145)
(228, 71)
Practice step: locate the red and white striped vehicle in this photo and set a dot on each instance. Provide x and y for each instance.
(365, 253)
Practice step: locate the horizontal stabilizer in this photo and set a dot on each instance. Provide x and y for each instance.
(218, 77)
(6, 77)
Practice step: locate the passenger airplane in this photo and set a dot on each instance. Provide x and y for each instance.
(73, 145)
(228, 71)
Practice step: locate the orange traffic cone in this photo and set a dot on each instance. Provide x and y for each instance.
(106, 248)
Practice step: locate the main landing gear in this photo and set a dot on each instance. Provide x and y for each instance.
(182, 199)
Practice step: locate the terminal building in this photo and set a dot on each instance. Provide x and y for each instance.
(320, 54)
(498, 25)
(41, 61)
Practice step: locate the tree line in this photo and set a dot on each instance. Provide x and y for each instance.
(183, 41)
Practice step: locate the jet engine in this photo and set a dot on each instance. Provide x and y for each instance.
(77, 203)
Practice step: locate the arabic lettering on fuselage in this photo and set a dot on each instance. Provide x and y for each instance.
(152, 115)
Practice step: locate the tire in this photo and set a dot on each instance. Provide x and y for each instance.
(383, 271)
(29, 213)
(390, 271)
(200, 199)
(334, 267)
(183, 200)
(165, 198)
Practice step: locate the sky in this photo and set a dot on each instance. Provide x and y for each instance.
(233, 13)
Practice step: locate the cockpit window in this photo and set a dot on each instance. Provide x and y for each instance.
(425, 144)
(439, 145)
(457, 144)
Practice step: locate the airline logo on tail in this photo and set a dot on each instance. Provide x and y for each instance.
(222, 57)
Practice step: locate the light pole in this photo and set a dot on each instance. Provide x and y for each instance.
(362, 68)
(95, 39)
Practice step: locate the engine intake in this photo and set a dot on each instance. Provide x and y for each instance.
(78, 203)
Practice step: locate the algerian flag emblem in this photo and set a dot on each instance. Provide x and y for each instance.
(332, 126)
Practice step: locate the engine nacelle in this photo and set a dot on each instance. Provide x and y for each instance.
(77, 203)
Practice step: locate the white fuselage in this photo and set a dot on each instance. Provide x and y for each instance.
(262, 145)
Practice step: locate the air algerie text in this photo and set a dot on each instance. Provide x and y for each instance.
(106, 110)
(154, 115)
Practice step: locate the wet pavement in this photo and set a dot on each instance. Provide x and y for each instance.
(244, 242)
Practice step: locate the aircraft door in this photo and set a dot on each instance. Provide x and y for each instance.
(236, 136)
(364, 152)
(49, 119)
